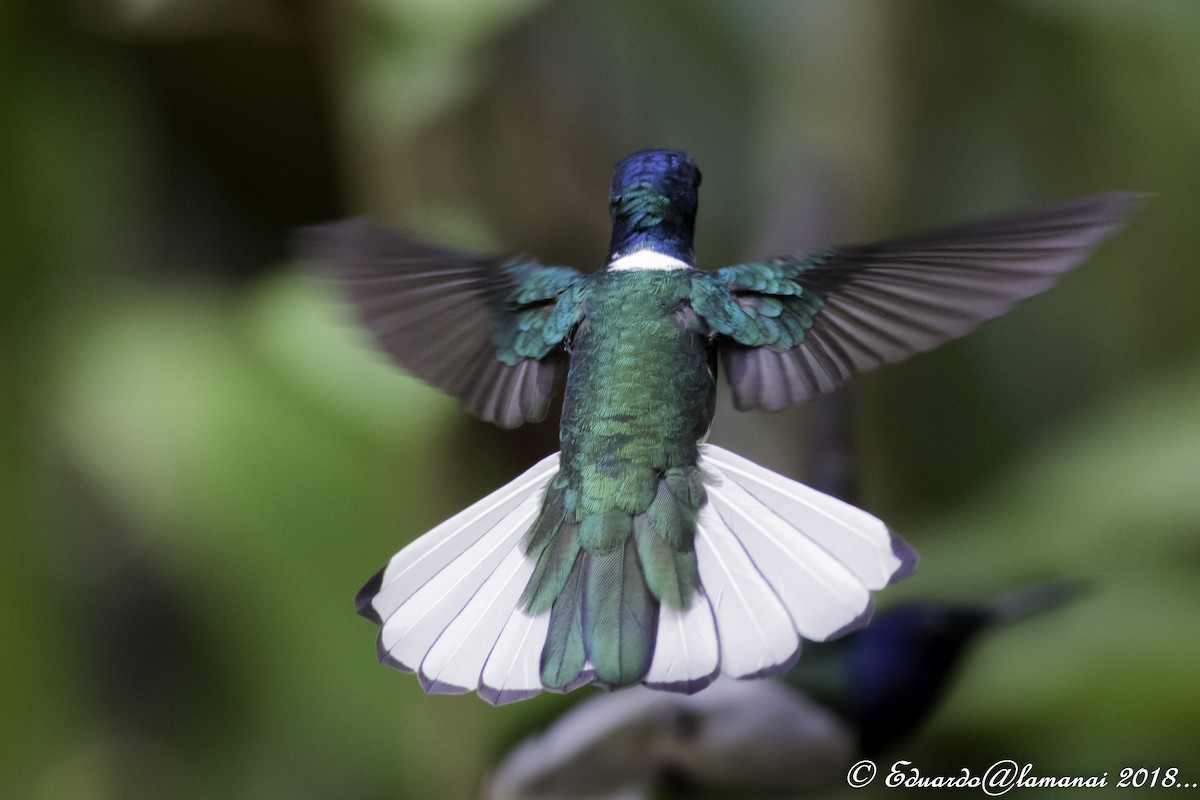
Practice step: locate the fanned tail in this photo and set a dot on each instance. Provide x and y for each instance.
(511, 597)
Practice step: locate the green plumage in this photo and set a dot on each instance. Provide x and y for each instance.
(620, 615)
(538, 314)
(647, 208)
(616, 535)
(562, 663)
(670, 572)
(756, 306)
(605, 531)
(618, 523)
(665, 536)
(556, 549)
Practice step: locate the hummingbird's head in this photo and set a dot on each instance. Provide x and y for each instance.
(653, 203)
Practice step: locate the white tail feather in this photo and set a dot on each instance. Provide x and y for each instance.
(819, 592)
(427, 555)
(686, 655)
(512, 671)
(756, 634)
(413, 628)
(778, 561)
(455, 662)
(863, 543)
(438, 578)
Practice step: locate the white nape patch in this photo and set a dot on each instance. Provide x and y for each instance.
(648, 259)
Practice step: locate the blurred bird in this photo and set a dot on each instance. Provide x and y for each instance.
(637, 553)
(846, 699)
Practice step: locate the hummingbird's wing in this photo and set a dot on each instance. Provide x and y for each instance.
(487, 330)
(797, 326)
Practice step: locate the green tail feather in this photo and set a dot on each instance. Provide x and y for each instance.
(554, 510)
(671, 520)
(563, 655)
(552, 570)
(687, 484)
(606, 531)
(603, 577)
(620, 616)
(554, 542)
(671, 574)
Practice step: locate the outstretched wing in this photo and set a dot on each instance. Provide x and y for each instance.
(487, 330)
(798, 326)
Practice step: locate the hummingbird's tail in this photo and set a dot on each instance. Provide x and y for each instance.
(778, 562)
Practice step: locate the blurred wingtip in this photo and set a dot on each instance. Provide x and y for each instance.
(314, 242)
(1119, 205)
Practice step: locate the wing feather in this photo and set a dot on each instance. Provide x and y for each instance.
(449, 318)
(855, 308)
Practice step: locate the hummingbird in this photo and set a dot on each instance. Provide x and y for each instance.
(639, 553)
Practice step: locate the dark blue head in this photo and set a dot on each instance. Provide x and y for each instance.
(653, 204)
(901, 663)
(888, 677)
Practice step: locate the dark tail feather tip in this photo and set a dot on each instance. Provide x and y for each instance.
(909, 560)
(386, 658)
(434, 686)
(502, 697)
(775, 670)
(685, 687)
(858, 622)
(585, 677)
(362, 600)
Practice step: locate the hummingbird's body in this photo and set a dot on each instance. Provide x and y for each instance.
(639, 397)
(641, 388)
(637, 553)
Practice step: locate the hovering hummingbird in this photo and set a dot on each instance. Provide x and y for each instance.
(637, 553)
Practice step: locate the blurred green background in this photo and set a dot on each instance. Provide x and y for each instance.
(201, 462)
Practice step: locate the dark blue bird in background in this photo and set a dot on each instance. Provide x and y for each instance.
(846, 699)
